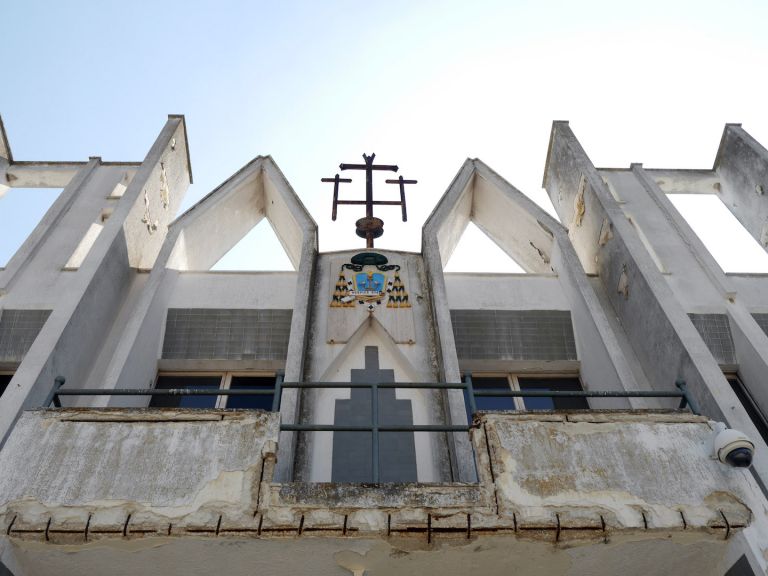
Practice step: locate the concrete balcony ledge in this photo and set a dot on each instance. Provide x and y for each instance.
(606, 470)
(76, 474)
(607, 483)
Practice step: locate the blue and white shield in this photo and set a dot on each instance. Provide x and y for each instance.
(370, 283)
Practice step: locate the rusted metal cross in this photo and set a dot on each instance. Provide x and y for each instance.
(369, 227)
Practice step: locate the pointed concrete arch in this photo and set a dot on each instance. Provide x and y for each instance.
(210, 228)
(515, 223)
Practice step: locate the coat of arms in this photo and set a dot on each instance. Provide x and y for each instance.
(369, 284)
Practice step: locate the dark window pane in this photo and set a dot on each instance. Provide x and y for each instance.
(554, 384)
(499, 383)
(5, 379)
(754, 412)
(252, 383)
(741, 568)
(196, 382)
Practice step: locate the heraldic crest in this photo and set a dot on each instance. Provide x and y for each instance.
(369, 284)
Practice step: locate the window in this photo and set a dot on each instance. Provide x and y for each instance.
(564, 384)
(5, 379)
(511, 382)
(499, 383)
(753, 410)
(215, 381)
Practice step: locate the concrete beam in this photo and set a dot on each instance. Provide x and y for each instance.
(47, 225)
(48, 174)
(694, 244)
(40, 174)
(685, 181)
(37, 174)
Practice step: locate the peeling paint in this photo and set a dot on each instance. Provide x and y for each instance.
(570, 480)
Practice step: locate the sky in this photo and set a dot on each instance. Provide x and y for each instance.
(424, 85)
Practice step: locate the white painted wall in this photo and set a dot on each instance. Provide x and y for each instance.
(505, 292)
(234, 290)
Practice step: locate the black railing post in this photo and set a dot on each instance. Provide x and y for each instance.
(375, 430)
(278, 397)
(53, 395)
(470, 390)
(687, 399)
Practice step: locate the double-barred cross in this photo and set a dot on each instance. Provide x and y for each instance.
(369, 227)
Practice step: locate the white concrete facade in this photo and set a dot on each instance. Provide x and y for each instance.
(619, 295)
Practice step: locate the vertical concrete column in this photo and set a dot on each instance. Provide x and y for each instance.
(460, 449)
(294, 364)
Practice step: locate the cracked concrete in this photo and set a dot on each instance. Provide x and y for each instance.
(109, 477)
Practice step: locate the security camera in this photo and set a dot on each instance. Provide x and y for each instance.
(732, 447)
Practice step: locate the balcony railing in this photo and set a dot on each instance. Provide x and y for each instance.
(375, 428)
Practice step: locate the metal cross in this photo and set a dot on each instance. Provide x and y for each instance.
(402, 192)
(368, 227)
(335, 181)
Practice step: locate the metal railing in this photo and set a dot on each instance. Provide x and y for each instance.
(57, 391)
(686, 401)
(375, 428)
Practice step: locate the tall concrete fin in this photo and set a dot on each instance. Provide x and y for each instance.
(5, 159)
(153, 197)
(5, 147)
(638, 292)
(742, 164)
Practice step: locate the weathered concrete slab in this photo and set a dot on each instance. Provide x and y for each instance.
(614, 470)
(335, 555)
(116, 470)
(564, 493)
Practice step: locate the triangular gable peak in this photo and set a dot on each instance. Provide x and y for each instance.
(514, 222)
(210, 228)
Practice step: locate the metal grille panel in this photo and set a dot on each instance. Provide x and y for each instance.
(514, 334)
(226, 334)
(18, 330)
(716, 332)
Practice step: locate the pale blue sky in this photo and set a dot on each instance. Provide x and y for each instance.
(422, 84)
